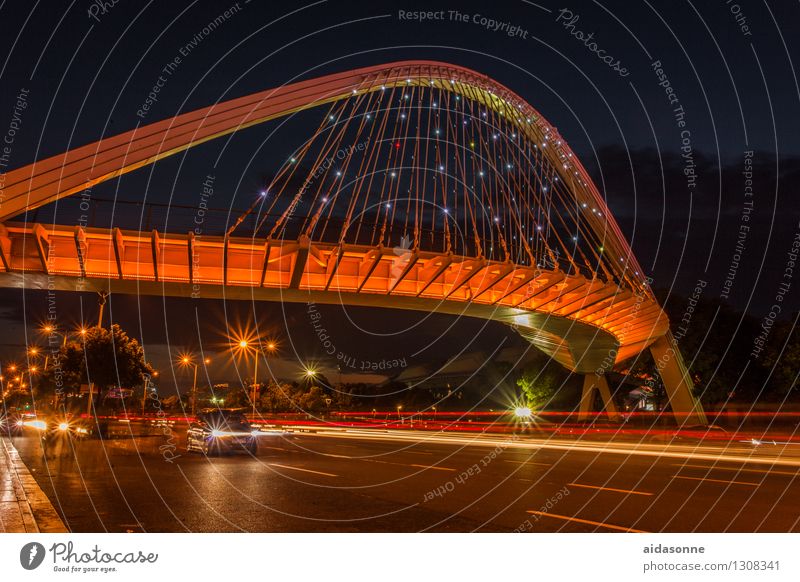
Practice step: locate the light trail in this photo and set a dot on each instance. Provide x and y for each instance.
(706, 479)
(737, 469)
(709, 453)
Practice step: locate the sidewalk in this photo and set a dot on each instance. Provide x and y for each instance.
(24, 508)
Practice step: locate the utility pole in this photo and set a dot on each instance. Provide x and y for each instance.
(194, 392)
(255, 378)
(101, 300)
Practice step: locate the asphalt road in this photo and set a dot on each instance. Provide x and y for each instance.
(372, 481)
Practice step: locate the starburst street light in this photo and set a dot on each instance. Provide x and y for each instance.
(523, 412)
(242, 345)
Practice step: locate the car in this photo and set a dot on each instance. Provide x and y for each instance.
(218, 431)
(59, 434)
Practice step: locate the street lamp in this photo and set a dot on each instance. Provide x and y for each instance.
(244, 343)
(242, 346)
(186, 361)
(523, 412)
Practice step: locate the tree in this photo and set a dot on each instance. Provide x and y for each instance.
(106, 357)
(541, 379)
(782, 358)
(276, 397)
(313, 400)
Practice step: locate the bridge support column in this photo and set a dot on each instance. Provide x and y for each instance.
(677, 382)
(592, 382)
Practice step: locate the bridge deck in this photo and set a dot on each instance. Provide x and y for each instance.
(584, 323)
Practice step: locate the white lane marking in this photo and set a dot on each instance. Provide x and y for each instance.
(717, 480)
(737, 469)
(587, 521)
(631, 491)
(303, 470)
(433, 467)
(528, 463)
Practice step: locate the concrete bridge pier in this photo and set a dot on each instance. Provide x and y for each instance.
(596, 383)
(686, 409)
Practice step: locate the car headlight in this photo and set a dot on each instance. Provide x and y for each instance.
(63, 426)
(217, 433)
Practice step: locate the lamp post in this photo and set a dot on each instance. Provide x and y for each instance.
(187, 361)
(247, 346)
(83, 331)
(242, 345)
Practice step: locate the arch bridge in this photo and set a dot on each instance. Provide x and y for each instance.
(423, 186)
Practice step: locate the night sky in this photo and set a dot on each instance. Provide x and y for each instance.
(85, 71)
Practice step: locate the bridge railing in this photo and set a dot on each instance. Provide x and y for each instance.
(139, 215)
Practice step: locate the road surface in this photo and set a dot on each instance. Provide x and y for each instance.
(334, 481)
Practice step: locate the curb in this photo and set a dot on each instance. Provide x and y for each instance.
(35, 513)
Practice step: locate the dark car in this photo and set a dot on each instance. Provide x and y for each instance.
(219, 431)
